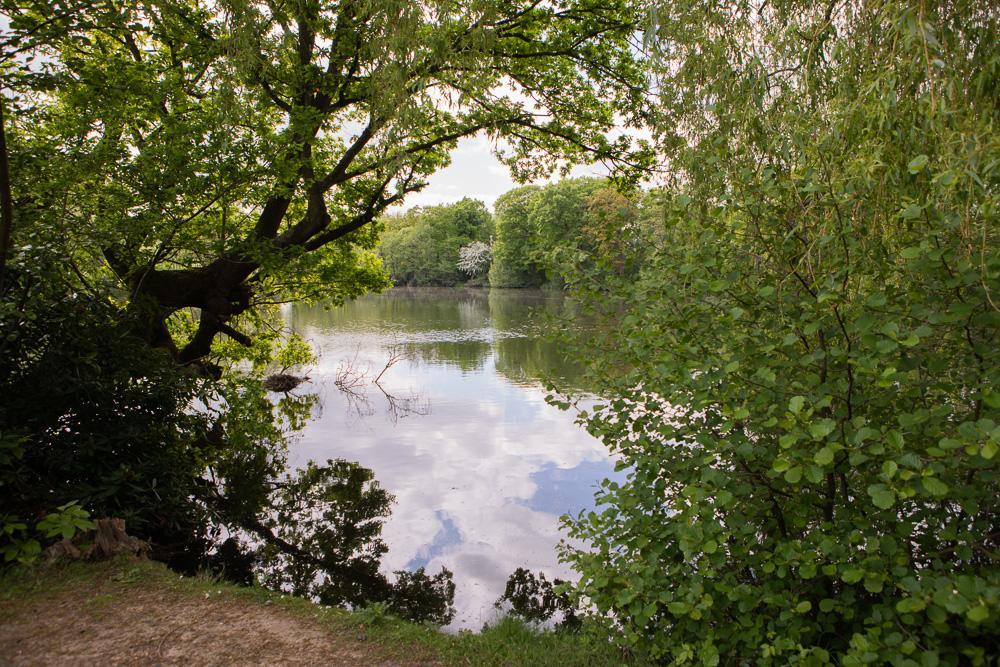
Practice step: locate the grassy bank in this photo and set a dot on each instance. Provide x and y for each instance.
(89, 594)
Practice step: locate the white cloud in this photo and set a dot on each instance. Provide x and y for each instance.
(476, 172)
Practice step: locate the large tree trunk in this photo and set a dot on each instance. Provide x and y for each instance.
(219, 291)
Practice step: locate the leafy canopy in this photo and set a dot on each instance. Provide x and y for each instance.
(803, 380)
(224, 155)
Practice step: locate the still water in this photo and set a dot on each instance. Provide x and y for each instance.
(457, 429)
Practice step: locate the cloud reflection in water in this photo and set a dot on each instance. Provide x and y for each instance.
(483, 476)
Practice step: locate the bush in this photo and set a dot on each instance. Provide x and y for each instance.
(102, 419)
(803, 381)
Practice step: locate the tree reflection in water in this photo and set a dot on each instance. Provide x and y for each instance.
(315, 532)
(536, 599)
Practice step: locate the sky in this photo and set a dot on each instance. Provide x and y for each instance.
(475, 172)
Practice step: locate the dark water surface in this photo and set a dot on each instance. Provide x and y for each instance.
(457, 429)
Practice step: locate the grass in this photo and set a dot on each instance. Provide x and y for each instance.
(508, 642)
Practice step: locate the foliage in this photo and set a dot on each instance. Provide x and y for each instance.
(224, 158)
(65, 522)
(803, 380)
(556, 217)
(102, 421)
(474, 259)
(514, 242)
(422, 246)
(536, 599)
(546, 234)
(17, 544)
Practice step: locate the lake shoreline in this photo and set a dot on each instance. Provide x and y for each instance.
(128, 611)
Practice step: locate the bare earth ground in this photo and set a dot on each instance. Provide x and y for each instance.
(135, 617)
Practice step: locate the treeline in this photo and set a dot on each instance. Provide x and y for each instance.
(537, 236)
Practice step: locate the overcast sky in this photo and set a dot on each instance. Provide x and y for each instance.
(475, 172)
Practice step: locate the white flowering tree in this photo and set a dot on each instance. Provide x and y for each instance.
(474, 259)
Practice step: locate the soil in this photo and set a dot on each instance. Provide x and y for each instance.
(105, 622)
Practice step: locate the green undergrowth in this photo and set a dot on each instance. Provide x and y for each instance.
(507, 642)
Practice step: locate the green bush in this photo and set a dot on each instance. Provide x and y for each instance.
(803, 381)
(22, 545)
(103, 419)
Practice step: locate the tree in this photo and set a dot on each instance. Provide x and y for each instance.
(544, 231)
(803, 380)
(512, 247)
(422, 246)
(218, 157)
(474, 259)
(557, 216)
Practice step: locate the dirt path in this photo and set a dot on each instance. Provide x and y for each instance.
(142, 616)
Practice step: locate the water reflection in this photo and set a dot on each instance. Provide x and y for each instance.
(317, 533)
(483, 473)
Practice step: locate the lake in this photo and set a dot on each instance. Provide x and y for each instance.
(457, 428)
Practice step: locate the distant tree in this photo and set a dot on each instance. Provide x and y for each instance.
(557, 217)
(474, 259)
(422, 246)
(546, 233)
(513, 265)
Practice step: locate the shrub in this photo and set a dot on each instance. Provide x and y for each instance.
(803, 381)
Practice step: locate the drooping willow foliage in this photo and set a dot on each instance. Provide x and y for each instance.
(804, 380)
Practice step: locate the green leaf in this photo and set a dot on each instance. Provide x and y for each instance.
(910, 605)
(911, 212)
(988, 450)
(945, 178)
(679, 608)
(917, 164)
(795, 404)
(793, 475)
(876, 300)
(824, 457)
(787, 440)
(822, 428)
(978, 614)
(882, 496)
(934, 486)
(814, 474)
(873, 584)
(803, 607)
(852, 575)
